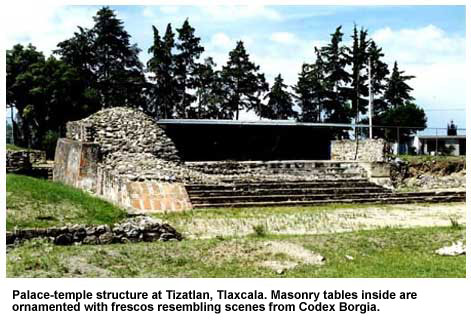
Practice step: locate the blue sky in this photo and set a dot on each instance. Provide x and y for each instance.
(427, 41)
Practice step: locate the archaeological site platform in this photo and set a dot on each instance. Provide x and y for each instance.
(143, 165)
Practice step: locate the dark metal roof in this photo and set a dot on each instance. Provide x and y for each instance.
(433, 137)
(289, 123)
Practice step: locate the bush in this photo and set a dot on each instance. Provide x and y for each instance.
(259, 230)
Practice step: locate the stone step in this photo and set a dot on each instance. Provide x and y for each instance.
(287, 164)
(281, 198)
(320, 170)
(385, 200)
(283, 184)
(285, 191)
(282, 176)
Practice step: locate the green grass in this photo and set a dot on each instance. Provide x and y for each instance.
(260, 212)
(383, 252)
(33, 203)
(12, 147)
(427, 158)
(386, 252)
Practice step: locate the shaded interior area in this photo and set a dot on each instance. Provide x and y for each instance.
(244, 142)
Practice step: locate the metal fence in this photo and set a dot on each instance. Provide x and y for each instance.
(416, 140)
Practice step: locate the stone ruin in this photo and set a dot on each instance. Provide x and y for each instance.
(121, 154)
(124, 131)
(23, 160)
(136, 229)
(124, 156)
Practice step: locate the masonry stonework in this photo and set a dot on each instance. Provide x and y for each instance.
(123, 156)
(23, 159)
(370, 150)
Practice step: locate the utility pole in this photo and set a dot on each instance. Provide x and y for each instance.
(370, 100)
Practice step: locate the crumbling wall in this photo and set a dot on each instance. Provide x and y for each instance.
(133, 230)
(281, 169)
(369, 150)
(123, 156)
(124, 130)
(23, 159)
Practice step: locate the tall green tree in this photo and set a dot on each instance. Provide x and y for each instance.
(397, 91)
(44, 93)
(119, 72)
(243, 83)
(78, 53)
(337, 79)
(379, 73)
(20, 61)
(210, 93)
(358, 60)
(305, 96)
(189, 51)
(162, 66)
(107, 62)
(310, 91)
(280, 102)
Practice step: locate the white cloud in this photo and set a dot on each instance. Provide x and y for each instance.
(284, 37)
(230, 13)
(436, 59)
(423, 45)
(45, 26)
(440, 85)
(221, 41)
(169, 9)
(148, 12)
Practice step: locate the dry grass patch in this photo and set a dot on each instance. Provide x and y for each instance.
(314, 220)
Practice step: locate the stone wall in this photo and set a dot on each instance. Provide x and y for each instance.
(23, 159)
(80, 164)
(124, 130)
(76, 163)
(286, 169)
(133, 230)
(124, 156)
(157, 196)
(369, 150)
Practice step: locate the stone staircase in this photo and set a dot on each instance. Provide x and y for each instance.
(308, 193)
(294, 183)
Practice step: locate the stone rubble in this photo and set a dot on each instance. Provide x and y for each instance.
(428, 175)
(137, 229)
(125, 130)
(455, 249)
(24, 159)
(17, 160)
(146, 167)
(429, 181)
